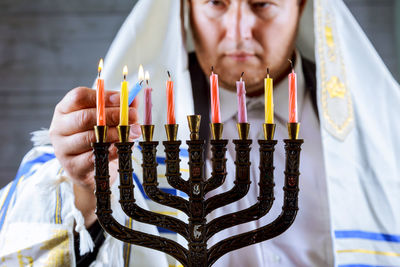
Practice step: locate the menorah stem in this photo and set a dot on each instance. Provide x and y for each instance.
(197, 246)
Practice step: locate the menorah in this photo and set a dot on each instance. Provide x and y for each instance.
(197, 231)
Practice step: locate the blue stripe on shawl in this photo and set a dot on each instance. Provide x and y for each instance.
(23, 169)
(367, 235)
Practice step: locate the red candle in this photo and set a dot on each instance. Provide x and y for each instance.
(241, 96)
(215, 111)
(292, 97)
(147, 102)
(100, 102)
(170, 101)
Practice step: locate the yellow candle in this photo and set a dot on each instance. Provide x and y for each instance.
(124, 107)
(269, 99)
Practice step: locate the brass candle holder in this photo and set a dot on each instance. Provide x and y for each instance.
(198, 231)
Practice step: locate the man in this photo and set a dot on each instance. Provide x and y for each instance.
(342, 166)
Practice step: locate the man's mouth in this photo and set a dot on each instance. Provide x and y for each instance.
(239, 55)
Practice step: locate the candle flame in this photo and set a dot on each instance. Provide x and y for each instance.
(141, 73)
(100, 65)
(125, 71)
(147, 77)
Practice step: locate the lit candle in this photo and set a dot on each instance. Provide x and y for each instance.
(147, 101)
(292, 95)
(100, 102)
(124, 107)
(241, 96)
(215, 111)
(170, 101)
(138, 86)
(269, 99)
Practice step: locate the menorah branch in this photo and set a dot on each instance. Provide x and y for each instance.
(285, 219)
(150, 183)
(242, 179)
(218, 159)
(172, 166)
(115, 229)
(127, 198)
(265, 199)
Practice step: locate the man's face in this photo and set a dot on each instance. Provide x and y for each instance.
(244, 35)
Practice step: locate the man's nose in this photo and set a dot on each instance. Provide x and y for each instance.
(239, 22)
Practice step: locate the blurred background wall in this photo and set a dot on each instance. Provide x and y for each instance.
(48, 47)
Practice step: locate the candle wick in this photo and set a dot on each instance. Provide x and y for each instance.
(147, 82)
(141, 81)
(212, 69)
(291, 64)
(267, 72)
(99, 73)
(124, 77)
(169, 74)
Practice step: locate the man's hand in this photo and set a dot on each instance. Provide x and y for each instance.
(71, 133)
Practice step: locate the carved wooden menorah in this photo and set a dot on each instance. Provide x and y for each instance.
(197, 231)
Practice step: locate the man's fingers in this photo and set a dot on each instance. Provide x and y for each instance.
(135, 103)
(84, 120)
(83, 98)
(135, 131)
(80, 166)
(81, 142)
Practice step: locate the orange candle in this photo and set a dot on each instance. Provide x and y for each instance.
(100, 102)
(215, 111)
(292, 96)
(170, 101)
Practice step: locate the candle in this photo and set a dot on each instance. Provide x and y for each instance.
(170, 101)
(124, 107)
(100, 102)
(138, 86)
(147, 101)
(292, 96)
(241, 96)
(215, 111)
(269, 99)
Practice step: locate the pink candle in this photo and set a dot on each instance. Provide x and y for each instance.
(241, 96)
(292, 97)
(215, 111)
(170, 101)
(147, 102)
(100, 101)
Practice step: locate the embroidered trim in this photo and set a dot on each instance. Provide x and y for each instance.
(334, 87)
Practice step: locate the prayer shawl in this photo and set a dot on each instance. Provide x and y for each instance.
(357, 99)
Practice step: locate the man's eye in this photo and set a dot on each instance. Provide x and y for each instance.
(217, 3)
(261, 4)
